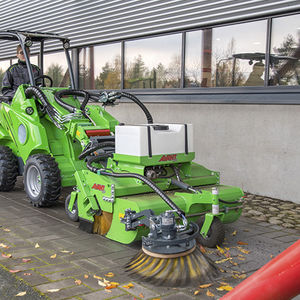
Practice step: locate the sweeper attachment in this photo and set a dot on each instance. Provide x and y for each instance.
(131, 182)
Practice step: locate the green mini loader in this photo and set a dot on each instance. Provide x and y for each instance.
(130, 182)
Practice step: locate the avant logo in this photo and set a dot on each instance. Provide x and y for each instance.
(99, 187)
(171, 157)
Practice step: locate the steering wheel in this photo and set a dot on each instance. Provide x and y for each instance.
(44, 77)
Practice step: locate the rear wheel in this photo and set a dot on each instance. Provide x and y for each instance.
(73, 214)
(42, 180)
(8, 169)
(215, 235)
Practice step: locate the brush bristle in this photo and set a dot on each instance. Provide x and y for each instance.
(186, 270)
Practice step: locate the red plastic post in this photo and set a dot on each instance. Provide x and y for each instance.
(279, 279)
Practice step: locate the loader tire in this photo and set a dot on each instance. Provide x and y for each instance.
(215, 235)
(42, 181)
(73, 215)
(8, 169)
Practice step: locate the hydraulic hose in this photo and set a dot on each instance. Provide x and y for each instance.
(91, 148)
(69, 107)
(229, 202)
(140, 104)
(147, 181)
(35, 91)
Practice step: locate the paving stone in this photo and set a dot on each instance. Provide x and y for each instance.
(139, 289)
(101, 295)
(69, 292)
(88, 265)
(33, 279)
(74, 272)
(288, 238)
(56, 285)
(54, 268)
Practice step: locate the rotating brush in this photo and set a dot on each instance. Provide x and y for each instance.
(169, 256)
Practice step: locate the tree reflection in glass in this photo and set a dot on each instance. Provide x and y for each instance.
(153, 62)
(285, 51)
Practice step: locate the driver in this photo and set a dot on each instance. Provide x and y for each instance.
(17, 74)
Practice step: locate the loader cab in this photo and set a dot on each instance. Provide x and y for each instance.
(36, 42)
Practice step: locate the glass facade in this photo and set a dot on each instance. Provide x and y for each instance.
(100, 67)
(285, 51)
(248, 54)
(153, 62)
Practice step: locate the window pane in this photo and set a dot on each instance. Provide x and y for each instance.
(100, 67)
(55, 66)
(153, 62)
(285, 51)
(194, 59)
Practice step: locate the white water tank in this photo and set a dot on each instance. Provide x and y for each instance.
(154, 139)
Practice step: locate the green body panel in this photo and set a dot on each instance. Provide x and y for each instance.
(155, 160)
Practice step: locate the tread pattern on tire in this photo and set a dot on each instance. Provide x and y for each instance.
(8, 169)
(217, 235)
(51, 179)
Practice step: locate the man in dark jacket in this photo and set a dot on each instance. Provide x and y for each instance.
(17, 74)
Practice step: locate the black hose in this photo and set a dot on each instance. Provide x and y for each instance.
(69, 107)
(35, 91)
(91, 148)
(147, 181)
(140, 104)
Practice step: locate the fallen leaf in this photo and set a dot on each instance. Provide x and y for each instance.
(4, 246)
(234, 233)
(243, 250)
(115, 283)
(225, 288)
(209, 294)
(107, 290)
(37, 245)
(78, 282)
(271, 256)
(53, 290)
(110, 274)
(141, 295)
(21, 294)
(128, 286)
(86, 276)
(196, 292)
(220, 250)
(233, 263)
(26, 260)
(97, 277)
(241, 258)
(65, 251)
(226, 248)
(242, 243)
(204, 286)
(223, 283)
(221, 270)
(111, 286)
(14, 271)
(72, 253)
(101, 283)
(53, 256)
(223, 260)
(243, 276)
(27, 274)
(6, 230)
(6, 255)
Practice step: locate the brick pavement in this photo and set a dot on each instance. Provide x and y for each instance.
(81, 256)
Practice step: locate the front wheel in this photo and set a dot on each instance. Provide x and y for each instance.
(73, 214)
(42, 181)
(215, 235)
